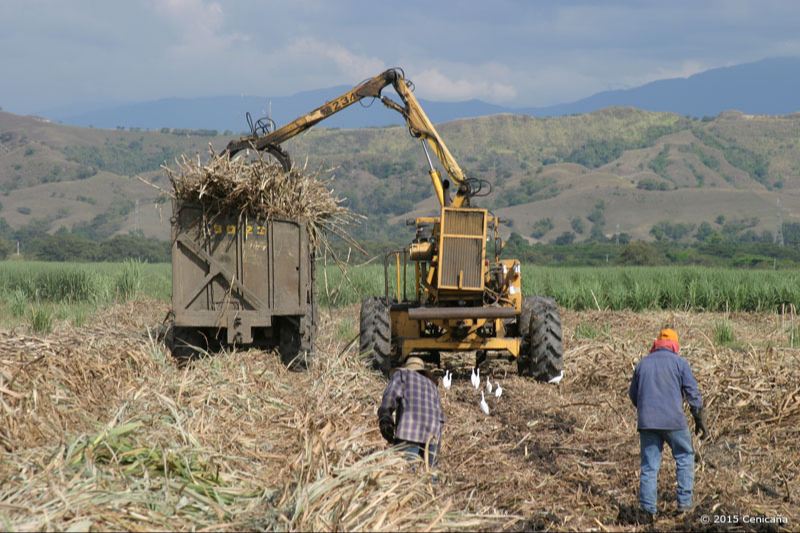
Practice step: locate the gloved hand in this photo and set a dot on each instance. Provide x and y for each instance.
(387, 429)
(700, 424)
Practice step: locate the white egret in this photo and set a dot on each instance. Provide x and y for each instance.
(484, 405)
(476, 378)
(556, 379)
(447, 380)
(498, 391)
(488, 386)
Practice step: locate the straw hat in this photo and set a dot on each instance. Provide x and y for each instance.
(418, 365)
(414, 363)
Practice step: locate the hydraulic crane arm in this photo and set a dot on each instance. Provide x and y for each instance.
(418, 124)
(371, 88)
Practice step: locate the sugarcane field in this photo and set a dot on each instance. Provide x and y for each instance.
(122, 411)
(102, 430)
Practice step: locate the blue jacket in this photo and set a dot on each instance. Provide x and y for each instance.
(660, 382)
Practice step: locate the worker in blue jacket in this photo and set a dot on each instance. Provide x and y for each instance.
(661, 381)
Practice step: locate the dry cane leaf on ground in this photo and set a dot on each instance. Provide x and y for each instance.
(100, 428)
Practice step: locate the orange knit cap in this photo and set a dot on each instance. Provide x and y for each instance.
(668, 334)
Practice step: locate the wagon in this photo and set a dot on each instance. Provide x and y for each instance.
(241, 281)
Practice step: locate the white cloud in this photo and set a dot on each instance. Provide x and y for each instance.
(432, 84)
(508, 52)
(683, 70)
(352, 67)
(204, 16)
(549, 84)
(785, 47)
(199, 25)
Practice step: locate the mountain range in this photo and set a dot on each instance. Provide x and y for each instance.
(618, 170)
(770, 86)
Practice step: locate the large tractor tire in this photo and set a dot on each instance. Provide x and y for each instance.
(376, 333)
(541, 354)
(296, 339)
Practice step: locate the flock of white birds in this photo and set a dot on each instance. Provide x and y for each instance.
(475, 379)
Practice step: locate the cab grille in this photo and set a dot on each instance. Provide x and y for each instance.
(462, 249)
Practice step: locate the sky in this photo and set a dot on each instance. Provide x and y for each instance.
(94, 53)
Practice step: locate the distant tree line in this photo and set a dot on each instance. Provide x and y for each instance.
(65, 246)
(94, 240)
(643, 253)
(70, 247)
(598, 152)
(529, 190)
(123, 158)
(725, 242)
(756, 165)
(186, 132)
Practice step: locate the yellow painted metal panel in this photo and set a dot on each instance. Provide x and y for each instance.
(512, 345)
(462, 249)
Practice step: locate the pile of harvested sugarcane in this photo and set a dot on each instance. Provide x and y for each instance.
(261, 189)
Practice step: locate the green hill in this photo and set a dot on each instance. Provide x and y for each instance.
(615, 170)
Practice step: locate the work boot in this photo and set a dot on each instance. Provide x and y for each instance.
(644, 517)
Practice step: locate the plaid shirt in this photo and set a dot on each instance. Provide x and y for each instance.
(415, 398)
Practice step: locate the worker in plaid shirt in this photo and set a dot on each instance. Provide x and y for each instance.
(413, 398)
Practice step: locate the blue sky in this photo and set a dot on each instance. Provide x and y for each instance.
(515, 53)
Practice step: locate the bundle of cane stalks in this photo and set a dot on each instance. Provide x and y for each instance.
(260, 189)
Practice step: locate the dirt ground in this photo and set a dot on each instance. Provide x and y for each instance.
(548, 457)
(566, 456)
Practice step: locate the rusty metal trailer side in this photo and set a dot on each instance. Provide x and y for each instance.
(238, 274)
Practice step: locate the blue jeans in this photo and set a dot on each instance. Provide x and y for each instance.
(416, 450)
(680, 441)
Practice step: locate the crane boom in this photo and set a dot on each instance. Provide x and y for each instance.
(418, 123)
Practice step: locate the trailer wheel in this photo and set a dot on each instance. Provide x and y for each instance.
(541, 354)
(185, 343)
(376, 333)
(296, 341)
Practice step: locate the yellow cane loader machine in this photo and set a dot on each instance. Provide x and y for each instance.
(464, 298)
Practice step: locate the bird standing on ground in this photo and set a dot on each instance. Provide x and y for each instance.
(476, 378)
(498, 391)
(488, 386)
(484, 405)
(556, 379)
(447, 380)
